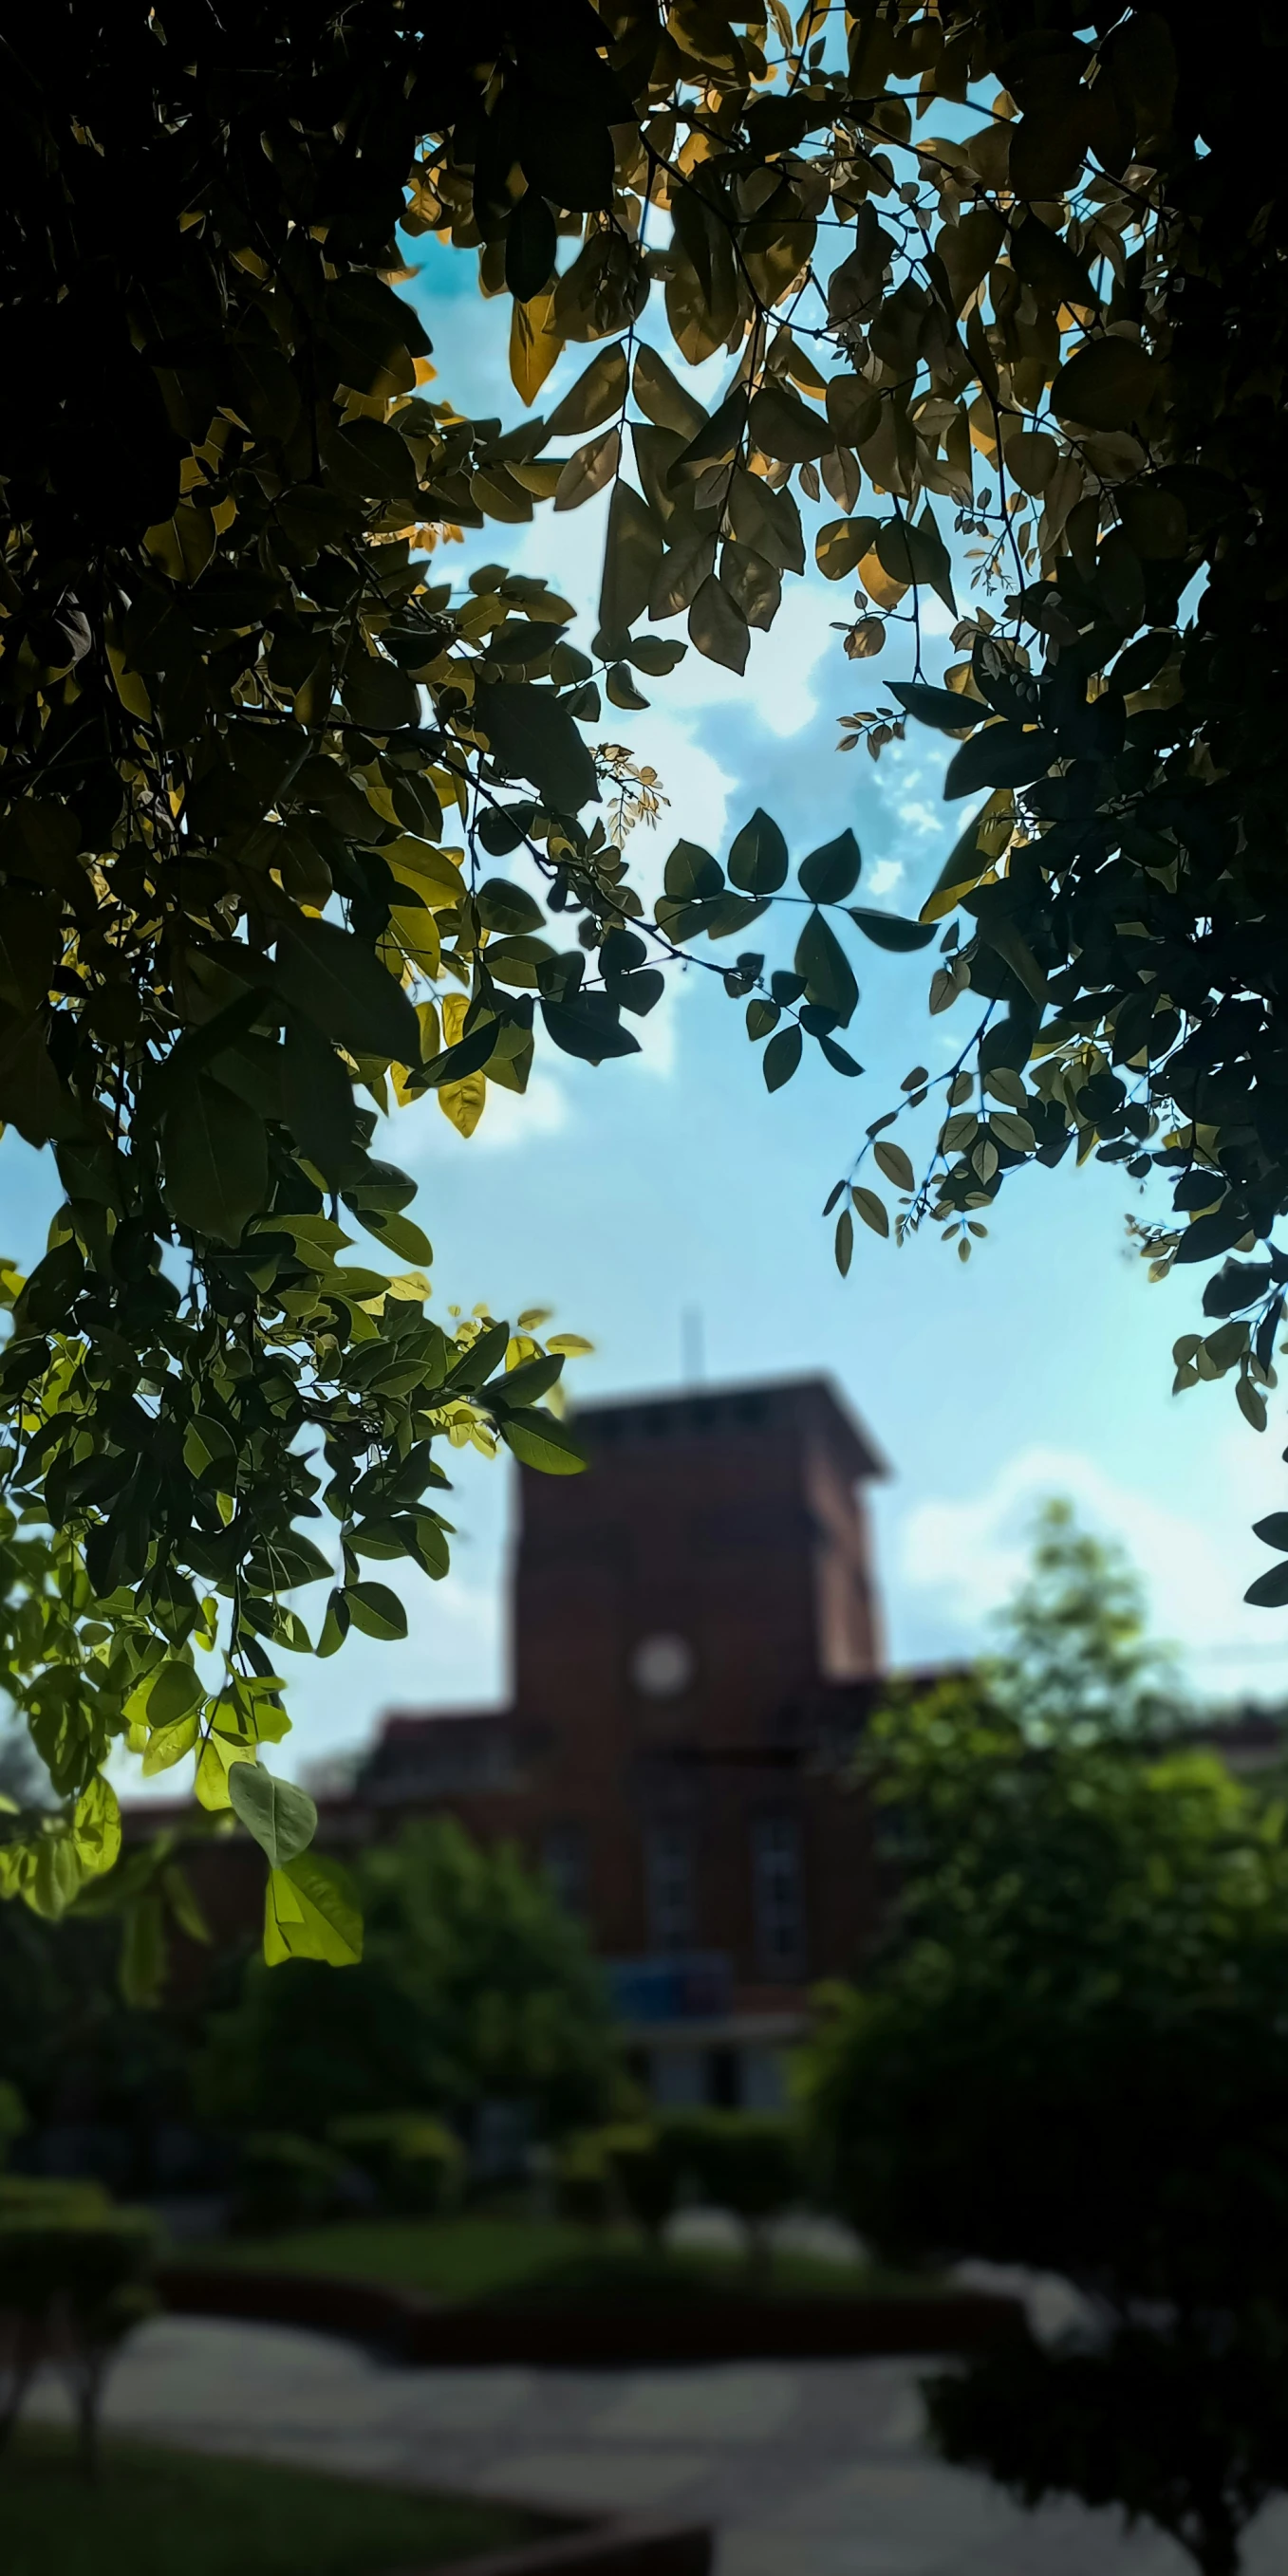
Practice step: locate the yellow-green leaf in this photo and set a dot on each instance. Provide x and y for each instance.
(310, 1913)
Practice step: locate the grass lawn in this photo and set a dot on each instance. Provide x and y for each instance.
(156, 2512)
(548, 2261)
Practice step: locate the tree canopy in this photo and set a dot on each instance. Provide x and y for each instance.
(1071, 2056)
(1075, 1662)
(290, 826)
(474, 1985)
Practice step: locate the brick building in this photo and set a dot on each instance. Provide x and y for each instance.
(696, 1640)
(695, 1645)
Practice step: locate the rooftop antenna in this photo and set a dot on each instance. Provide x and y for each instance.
(693, 1357)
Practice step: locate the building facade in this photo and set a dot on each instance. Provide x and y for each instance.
(696, 1642)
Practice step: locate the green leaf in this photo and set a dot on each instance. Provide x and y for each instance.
(632, 553)
(599, 391)
(831, 872)
(534, 737)
(1011, 1130)
(588, 1026)
(531, 245)
(310, 1912)
(317, 1097)
(781, 1057)
(399, 1234)
(691, 873)
(836, 1056)
(377, 694)
(587, 470)
(717, 626)
(503, 906)
(1273, 1530)
(873, 1210)
(892, 1160)
(168, 1744)
(208, 1447)
(917, 554)
(539, 1441)
(839, 548)
(376, 1610)
(96, 1826)
(216, 1160)
(758, 855)
(962, 869)
(278, 1564)
(282, 1818)
(527, 1383)
(176, 1687)
(335, 1626)
(469, 1055)
(1270, 1591)
(1210, 1235)
(824, 968)
(1109, 384)
(1000, 756)
(662, 397)
(339, 982)
(1048, 263)
(787, 428)
(942, 708)
(844, 1242)
(890, 930)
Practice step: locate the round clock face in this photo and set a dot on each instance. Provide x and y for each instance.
(662, 1667)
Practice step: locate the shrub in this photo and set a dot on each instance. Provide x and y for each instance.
(747, 2162)
(473, 1987)
(642, 2171)
(415, 2163)
(13, 2119)
(285, 2181)
(583, 2183)
(73, 2283)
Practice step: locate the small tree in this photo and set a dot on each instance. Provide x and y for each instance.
(639, 2162)
(414, 2162)
(1190, 2434)
(1073, 2056)
(73, 2284)
(1075, 1663)
(746, 2162)
(474, 1985)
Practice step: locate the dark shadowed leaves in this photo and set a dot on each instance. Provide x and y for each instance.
(832, 871)
(335, 978)
(758, 855)
(534, 737)
(216, 1159)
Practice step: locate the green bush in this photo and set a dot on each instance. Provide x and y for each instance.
(13, 2119)
(415, 2163)
(73, 2283)
(285, 2181)
(582, 2181)
(747, 2162)
(473, 1987)
(643, 2172)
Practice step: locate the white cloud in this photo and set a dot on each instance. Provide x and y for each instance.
(935, 618)
(967, 1556)
(916, 816)
(884, 877)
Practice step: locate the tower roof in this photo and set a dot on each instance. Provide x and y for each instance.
(696, 1411)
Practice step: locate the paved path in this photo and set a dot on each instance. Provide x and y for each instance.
(807, 2469)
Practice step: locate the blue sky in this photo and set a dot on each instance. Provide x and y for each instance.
(625, 1194)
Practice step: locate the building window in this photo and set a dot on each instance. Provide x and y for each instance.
(669, 1872)
(563, 1858)
(779, 1896)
